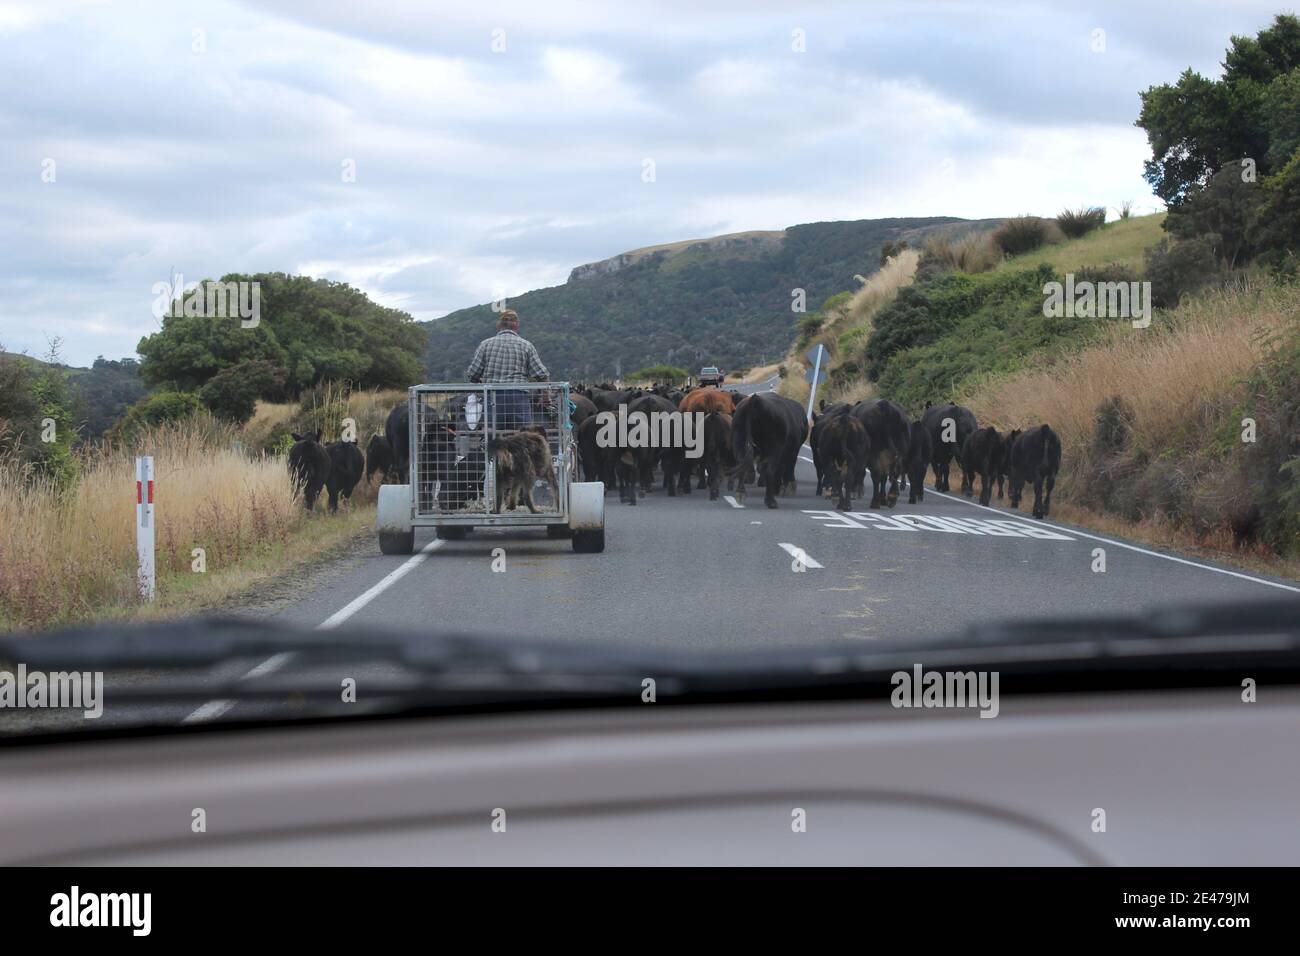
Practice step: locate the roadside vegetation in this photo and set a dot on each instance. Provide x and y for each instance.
(1185, 432)
(67, 544)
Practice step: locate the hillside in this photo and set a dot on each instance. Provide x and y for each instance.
(725, 300)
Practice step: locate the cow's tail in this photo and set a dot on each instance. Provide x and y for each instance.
(742, 445)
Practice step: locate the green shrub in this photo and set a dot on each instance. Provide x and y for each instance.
(1079, 222)
(1175, 269)
(658, 373)
(1022, 234)
(232, 393)
(153, 410)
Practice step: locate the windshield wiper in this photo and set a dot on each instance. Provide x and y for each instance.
(1173, 647)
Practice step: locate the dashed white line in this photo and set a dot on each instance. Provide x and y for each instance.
(1130, 547)
(729, 499)
(800, 555)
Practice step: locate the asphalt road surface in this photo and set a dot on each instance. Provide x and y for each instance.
(687, 572)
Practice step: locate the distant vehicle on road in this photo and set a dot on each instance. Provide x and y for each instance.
(710, 375)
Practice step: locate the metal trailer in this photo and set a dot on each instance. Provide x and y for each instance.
(454, 486)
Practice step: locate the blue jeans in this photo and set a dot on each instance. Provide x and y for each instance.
(513, 409)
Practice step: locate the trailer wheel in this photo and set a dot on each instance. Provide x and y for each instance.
(453, 532)
(589, 542)
(397, 542)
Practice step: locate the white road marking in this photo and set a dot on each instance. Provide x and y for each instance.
(1130, 547)
(216, 708)
(809, 460)
(732, 501)
(414, 561)
(800, 555)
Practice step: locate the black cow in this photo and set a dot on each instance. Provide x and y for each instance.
(380, 458)
(841, 451)
(598, 464)
(583, 408)
(982, 455)
(309, 467)
(644, 458)
(887, 444)
(346, 465)
(608, 400)
(1008, 442)
(949, 427)
(767, 430)
(398, 432)
(1035, 457)
(919, 453)
(717, 451)
(820, 422)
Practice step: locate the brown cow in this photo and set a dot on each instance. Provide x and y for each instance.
(706, 400)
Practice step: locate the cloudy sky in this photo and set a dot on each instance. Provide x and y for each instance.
(497, 145)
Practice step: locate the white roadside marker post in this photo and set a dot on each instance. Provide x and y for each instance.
(144, 526)
(815, 378)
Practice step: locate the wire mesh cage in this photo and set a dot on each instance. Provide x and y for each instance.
(500, 453)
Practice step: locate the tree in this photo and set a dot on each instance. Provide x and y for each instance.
(1197, 125)
(313, 329)
(1225, 210)
(232, 393)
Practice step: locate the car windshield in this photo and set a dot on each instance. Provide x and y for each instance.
(357, 364)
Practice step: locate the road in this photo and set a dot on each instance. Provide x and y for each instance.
(691, 572)
(687, 572)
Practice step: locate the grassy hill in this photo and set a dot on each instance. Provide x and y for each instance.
(723, 301)
(1150, 420)
(1120, 243)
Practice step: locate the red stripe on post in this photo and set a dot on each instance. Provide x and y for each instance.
(139, 494)
(150, 491)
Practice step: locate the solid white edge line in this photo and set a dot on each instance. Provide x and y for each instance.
(809, 460)
(216, 708)
(797, 552)
(356, 604)
(1119, 544)
(731, 500)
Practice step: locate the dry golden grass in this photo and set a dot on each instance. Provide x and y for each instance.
(1185, 366)
(879, 290)
(70, 556)
(856, 316)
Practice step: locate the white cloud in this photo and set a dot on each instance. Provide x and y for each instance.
(478, 169)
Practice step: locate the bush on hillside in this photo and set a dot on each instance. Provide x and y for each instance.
(890, 249)
(657, 373)
(233, 392)
(1176, 269)
(1079, 222)
(1269, 467)
(152, 411)
(1023, 234)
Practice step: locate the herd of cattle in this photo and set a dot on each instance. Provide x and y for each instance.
(749, 439)
(757, 438)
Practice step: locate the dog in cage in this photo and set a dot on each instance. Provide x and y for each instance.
(520, 459)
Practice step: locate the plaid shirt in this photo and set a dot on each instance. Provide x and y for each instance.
(505, 358)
